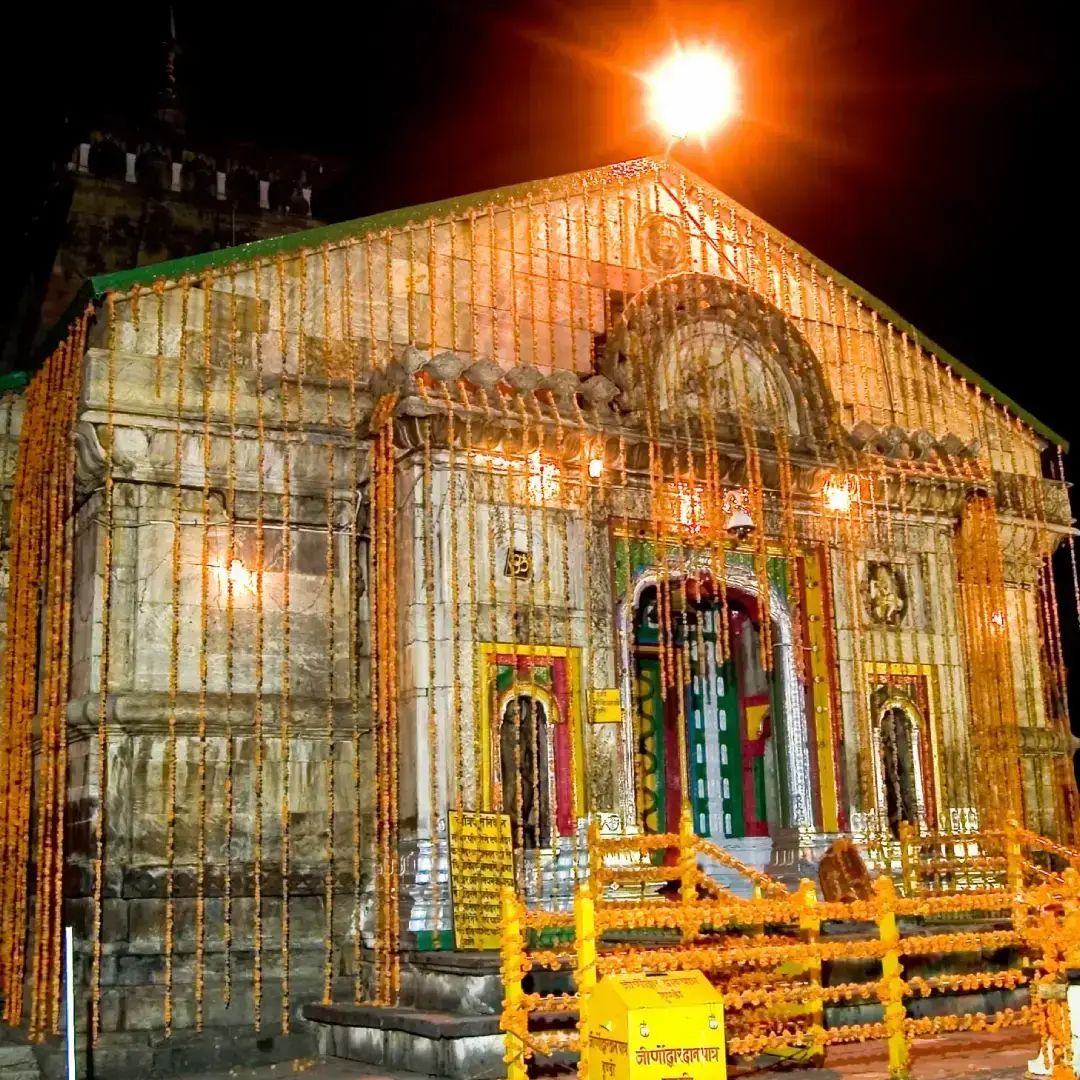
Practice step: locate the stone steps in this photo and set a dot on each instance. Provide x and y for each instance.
(936, 1004)
(459, 1038)
(436, 1044)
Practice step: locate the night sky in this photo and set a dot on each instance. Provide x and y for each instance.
(921, 147)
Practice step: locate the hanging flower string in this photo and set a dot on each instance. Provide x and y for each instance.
(720, 477)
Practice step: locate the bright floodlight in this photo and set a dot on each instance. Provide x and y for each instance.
(693, 92)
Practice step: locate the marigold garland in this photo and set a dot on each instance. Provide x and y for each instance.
(174, 655)
(330, 791)
(204, 648)
(290, 436)
(258, 751)
(386, 974)
(230, 636)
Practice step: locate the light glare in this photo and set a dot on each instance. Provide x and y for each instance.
(237, 575)
(693, 92)
(837, 493)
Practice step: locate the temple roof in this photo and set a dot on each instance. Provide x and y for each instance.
(95, 288)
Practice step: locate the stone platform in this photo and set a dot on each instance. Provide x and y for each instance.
(154, 1056)
(446, 1023)
(435, 1044)
(452, 981)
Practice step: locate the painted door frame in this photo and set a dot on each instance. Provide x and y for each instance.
(789, 688)
(486, 655)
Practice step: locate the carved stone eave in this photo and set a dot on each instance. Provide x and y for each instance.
(1023, 538)
(517, 430)
(520, 411)
(146, 395)
(905, 493)
(922, 446)
(1035, 498)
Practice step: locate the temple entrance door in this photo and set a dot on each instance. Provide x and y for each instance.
(722, 703)
(526, 765)
(898, 769)
(531, 750)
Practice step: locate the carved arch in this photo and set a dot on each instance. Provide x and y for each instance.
(693, 343)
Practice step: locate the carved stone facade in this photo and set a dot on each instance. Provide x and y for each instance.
(574, 399)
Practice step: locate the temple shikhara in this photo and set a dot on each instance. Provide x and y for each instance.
(351, 575)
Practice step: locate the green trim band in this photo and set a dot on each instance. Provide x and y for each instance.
(434, 940)
(13, 380)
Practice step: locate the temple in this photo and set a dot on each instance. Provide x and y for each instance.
(589, 506)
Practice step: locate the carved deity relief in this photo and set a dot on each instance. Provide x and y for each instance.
(886, 594)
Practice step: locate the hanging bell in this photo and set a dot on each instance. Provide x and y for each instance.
(740, 524)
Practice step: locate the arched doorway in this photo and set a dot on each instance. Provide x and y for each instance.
(900, 740)
(706, 711)
(526, 765)
(898, 770)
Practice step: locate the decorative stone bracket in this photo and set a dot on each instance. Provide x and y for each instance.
(1047, 742)
(91, 458)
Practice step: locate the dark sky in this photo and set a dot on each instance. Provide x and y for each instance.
(921, 147)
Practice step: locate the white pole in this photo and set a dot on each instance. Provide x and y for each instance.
(70, 1002)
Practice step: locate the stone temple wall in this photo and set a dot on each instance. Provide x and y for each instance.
(496, 513)
(232, 398)
(142, 709)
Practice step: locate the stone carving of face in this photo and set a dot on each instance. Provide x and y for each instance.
(663, 242)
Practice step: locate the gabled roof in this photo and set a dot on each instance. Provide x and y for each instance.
(96, 287)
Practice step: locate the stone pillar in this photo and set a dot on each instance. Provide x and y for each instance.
(422, 819)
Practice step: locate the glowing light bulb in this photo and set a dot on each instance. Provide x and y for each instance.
(596, 467)
(240, 575)
(837, 494)
(236, 575)
(693, 92)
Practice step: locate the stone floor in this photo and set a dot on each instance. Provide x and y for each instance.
(996, 1056)
(999, 1055)
(307, 1069)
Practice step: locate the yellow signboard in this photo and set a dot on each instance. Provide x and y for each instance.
(481, 863)
(656, 1027)
(605, 706)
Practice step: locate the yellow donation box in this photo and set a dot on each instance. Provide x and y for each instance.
(656, 1027)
